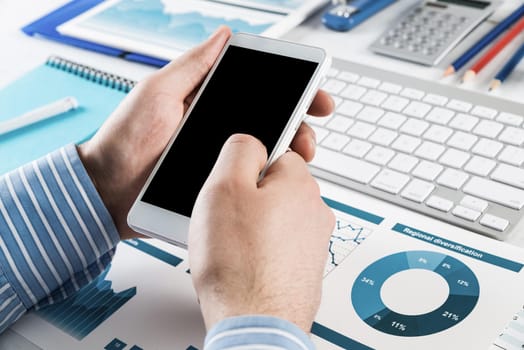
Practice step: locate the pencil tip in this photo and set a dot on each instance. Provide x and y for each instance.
(469, 75)
(450, 70)
(494, 84)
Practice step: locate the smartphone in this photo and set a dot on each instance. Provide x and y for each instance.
(259, 86)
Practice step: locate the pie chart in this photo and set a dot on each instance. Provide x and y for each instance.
(405, 272)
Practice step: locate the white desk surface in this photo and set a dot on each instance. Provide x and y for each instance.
(21, 53)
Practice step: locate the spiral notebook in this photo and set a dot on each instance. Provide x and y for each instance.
(98, 93)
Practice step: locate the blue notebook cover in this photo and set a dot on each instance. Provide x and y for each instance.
(46, 27)
(98, 94)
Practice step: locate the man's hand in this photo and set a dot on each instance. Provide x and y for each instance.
(120, 157)
(259, 248)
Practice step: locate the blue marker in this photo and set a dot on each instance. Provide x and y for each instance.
(343, 17)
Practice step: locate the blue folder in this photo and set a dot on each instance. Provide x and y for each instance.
(46, 27)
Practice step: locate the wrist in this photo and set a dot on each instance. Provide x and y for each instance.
(215, 309)
(109, 183)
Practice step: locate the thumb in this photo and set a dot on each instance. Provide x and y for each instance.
(187, 72)
(242, 158)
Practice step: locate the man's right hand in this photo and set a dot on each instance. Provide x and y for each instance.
(259, 248)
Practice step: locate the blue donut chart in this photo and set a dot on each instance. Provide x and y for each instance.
(463, 294)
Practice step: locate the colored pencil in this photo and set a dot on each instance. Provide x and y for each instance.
(485, 41)
(494, 50)
(508, 68)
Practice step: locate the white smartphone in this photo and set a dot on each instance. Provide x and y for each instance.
(259, 86)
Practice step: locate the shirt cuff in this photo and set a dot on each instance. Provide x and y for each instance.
(257, 331)
(55, 233)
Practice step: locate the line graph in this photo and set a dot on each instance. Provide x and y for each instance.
(345, 238)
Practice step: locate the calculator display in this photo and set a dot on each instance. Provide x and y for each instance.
(471, 3)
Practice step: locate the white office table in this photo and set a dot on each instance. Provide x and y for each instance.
(20, 53)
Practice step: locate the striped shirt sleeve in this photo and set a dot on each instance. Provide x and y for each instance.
(55, 233)
(257, 332)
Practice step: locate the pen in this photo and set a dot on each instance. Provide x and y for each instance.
(41, 113)
(485, 41)
(507, 69)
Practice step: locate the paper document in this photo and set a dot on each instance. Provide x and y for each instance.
(166, 28)
(389, 284)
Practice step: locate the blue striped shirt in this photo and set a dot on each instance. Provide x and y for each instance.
(56, 236)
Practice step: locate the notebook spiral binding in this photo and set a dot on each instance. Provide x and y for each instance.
(91, 74)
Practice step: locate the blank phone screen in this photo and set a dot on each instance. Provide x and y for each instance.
(250, 92)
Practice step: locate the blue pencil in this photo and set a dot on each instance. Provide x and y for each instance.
(485, 41)
(508, 68)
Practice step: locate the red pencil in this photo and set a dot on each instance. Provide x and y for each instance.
(494, 51)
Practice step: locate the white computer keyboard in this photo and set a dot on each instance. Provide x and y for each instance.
(446, 152)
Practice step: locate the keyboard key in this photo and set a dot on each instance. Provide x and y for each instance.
(439, 203)
(339, 123)
(406, 143)
(370, 114)
(361, 130)
(417, 109)
(427, 170)
(487, 148)
(373, 97)
(417, 190)
(474, 203)
(415, 127)
(480, 166)
(430, 150)
(465, 213)
(389, 87)
(510, 175)
(452, 178)
(464, 122)
(512, 155)
(380, 155)
(348, 77)
(440, 115)
(357, 148)
(458, 105)
(494, 222)
(353, 92)
(392, 120)
(383, 137)
(369, 82)
(413, 94)
(462, 140)
(335, 141)
(495, 192)
(488, 128)
(511, 119)
(484, 112)
(438, 133)
(333, 86)
(402, 162)
(454, 158)
(437, 100)
(390, 181)
(513, 136)
(395, 103)
(343, 165)
(350, 108)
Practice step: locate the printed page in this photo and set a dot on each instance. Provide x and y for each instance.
(391, 282)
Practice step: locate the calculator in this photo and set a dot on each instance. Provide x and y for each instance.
(430, 30)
